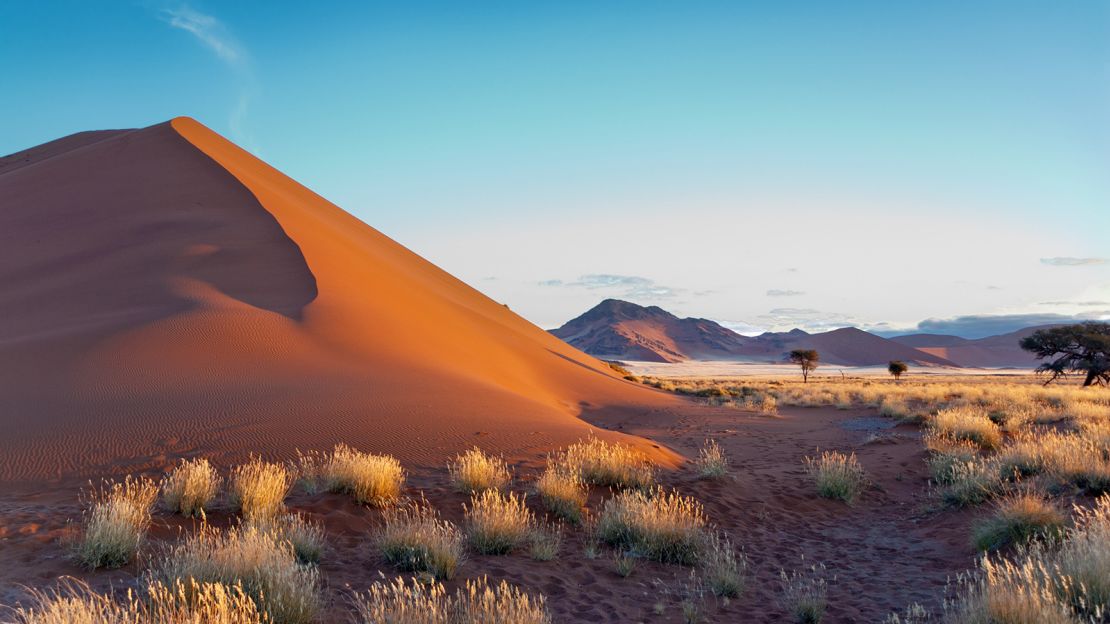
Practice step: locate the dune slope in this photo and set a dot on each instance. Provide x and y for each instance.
(165, 293)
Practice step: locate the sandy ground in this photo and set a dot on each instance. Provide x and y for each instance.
(724, 369)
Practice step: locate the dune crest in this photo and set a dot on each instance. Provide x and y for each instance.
(165, 293)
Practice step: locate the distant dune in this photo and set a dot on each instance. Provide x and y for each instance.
(165, 293)
(990, 352)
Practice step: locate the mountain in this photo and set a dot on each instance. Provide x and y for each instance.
(621, 330)
(165, 293)
(1001, 351)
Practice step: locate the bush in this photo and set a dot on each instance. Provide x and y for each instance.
(712, 462)
(1017, 520)
(474, 471)
(191, 487)
(563, 493)
(261, 562)
(837, 475)
(374, 480)
(415, 539)
(258, 489)
(662, 526)
(965, 423)
(496, 524)
(605, 464)
(116, 520)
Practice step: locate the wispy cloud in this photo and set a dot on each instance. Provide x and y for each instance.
(216, 37)
(775, 292)
(628, 286)
(1081, 304)
(1068, 262)
(808, 319)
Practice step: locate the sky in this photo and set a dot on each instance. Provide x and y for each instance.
(897, 166)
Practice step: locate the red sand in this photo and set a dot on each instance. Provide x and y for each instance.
(165, 293)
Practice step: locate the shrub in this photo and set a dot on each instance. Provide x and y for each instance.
(963, 423)
(662, 526)
(478, 602)
(474, 471)
(180, 603)
(374, 480)
(712, 462)
(544, 542)
(563, 493)
(306, 536)
(116, 520)
(837, 475)
(258, 489)
(1017, 520)
(415, 539)
(191, 487)
(805, 593)
(259, 561)
(724, 569)
(496, 524)
(601, 463)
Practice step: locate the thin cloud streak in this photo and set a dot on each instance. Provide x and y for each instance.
(1069, 262)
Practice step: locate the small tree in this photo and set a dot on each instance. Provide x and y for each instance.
(807, 359)
(896, 368)
(1082, 348)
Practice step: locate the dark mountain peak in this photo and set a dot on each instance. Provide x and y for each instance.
(619, 309)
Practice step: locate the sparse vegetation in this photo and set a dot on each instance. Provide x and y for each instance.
(712, 462)
(724, 569)
(544, 542)
(807, 360)
(116, 519)
(375, 480)
(805, 593)
(624, 564)
(258, 489)
(474, 471)
(965, 423)
(478, 602)
(1018, 519)
(415, 539)
(496, 523)
(563, 492)
(662, 526)
(601, 463)
(191, 487)
(306, 536)
(971, 483)
(837, 475)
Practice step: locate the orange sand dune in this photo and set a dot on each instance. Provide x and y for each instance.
(165, 293)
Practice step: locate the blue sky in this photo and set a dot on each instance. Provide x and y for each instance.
(764, 164)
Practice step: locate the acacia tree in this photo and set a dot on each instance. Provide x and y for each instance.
(896, 368)
(1082, 348)
(805, 358)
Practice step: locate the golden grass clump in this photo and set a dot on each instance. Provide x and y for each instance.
(563, 492)
(1084, 560)
(947, 455)
(191, 487)
(1075, 459)
(805, 593)
(1017, 519)
(306, 536)
(374, 480)
(474, 471)
(180, 603)
(544, 542)
(837, 475)
(116, 519)
(605, 464)
(415, 539)
(967, 423)
(259, 561)
(712, 462)
(724, 569)
(496, 523)
(658, 525)
(477, 602)
(972, 483)
(258, 488)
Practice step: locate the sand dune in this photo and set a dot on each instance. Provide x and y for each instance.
(166, 293)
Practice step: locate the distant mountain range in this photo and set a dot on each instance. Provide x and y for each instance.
(619, 330)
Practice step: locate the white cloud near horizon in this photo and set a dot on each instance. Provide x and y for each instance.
(627, 286)
(1068, 261)
(776, 292)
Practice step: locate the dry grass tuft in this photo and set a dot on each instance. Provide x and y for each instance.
(837, 475)
(563, 492)
(415, 539)
(474, 471)
(971, 483)
(496, 524)
(306, 536)
(724, 569)
(191, 487)
(117, 516)
(478, 602)
(260, 561)
(658, 525)
(374, 480)
(544, 542)
(712, 462)
(605, 464)
(1018, 519)
(805, 593)
(967, 423)
(258, 489)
